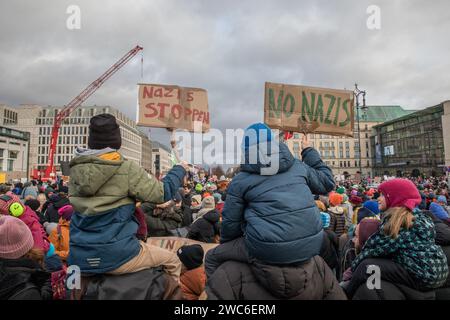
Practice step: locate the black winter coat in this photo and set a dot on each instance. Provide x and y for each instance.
(161, 221)
(148, 284)
(312, 280)
(391, 291)
(24, 279)
(187, 211)
(51, 214)
(206, 228)
(329, 249)
(442, 230)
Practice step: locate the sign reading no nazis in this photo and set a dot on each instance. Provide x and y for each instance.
(308, 109)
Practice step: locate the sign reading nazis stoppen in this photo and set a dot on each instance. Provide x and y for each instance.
(308, 109)
(168, 106)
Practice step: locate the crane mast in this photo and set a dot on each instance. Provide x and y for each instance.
(77, 101)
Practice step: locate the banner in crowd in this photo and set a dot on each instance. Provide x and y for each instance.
(174, 243)
(308, 109)
(168, 106)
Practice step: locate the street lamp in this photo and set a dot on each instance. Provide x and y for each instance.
(357, 93)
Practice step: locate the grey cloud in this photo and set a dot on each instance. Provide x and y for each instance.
(228, 47)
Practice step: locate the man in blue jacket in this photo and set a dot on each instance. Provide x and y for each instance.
(270, 214)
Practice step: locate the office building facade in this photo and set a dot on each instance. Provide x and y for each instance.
(415, 144)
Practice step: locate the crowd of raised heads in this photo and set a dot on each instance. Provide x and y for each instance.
(297, 234)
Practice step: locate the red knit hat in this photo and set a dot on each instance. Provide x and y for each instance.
(15, 238)
(335, 199)
(4, 205)
(400, 193)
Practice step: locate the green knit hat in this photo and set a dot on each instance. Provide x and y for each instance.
(198, 187)
(340, 190)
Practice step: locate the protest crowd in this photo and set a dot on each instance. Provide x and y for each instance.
(295, 234)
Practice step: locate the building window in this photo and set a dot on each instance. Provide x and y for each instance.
(1, 152)
(13, 154)
(10, 165)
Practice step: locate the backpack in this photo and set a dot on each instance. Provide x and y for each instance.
(58, 279)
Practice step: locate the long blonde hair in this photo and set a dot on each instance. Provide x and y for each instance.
(397, 218)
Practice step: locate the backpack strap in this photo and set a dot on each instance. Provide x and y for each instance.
(58, 230)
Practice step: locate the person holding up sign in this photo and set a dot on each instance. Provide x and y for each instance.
(272, 218)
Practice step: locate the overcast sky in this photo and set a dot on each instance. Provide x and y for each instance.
(228, 47)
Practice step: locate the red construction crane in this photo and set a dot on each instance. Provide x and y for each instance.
(76, 102)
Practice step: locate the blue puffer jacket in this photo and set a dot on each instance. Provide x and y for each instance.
(277, 214)
(95, 240)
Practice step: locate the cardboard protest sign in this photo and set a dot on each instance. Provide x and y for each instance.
(308, 109)
(167, 106)
(174, 243)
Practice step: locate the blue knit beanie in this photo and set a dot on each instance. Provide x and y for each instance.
(372, 206)
(255, 132)
(438, 211)
(325, 219)
(442, 199)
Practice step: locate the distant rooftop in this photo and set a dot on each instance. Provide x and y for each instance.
(383, 113)
(415, 113)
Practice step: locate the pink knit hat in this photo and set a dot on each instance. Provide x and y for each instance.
(66, 212)
(4, 205)
(15, 238)
(400, 193)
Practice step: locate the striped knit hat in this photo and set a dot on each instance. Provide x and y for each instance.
(15, 238)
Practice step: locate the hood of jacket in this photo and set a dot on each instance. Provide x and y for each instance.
(91, 169)
(282, 282)
(173, 213)
(265, 154)
(212, 216)
(336, 210)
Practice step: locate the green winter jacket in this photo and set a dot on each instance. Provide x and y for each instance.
(103, 190)
(97, 185)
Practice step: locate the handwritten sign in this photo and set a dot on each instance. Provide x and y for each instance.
(168, 106)
(174, 243)
(309, 109)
